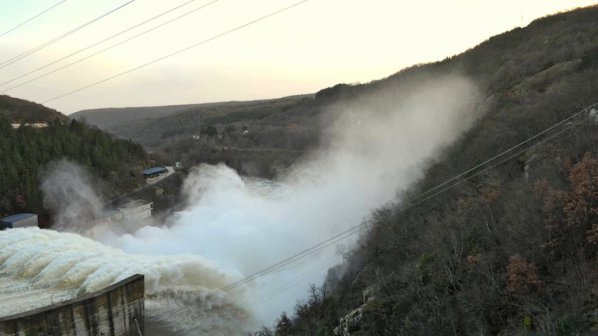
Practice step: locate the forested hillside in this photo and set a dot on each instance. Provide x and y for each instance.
(25, 151)
(23, 111)
(107, 118)
(507, 248)
(255, 137)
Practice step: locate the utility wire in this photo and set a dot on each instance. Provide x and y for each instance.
(102, 41)
(498, 163)
(32, 18)
(320, 246)
(58, 38)
(503, 153)
(298, 280)
(179, 51)
(349, 232)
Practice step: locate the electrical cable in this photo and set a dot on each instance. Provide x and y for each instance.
(32, 18)
(505, 152)
(349, 232)
(177, 52)
(19, 57)
(100, 42)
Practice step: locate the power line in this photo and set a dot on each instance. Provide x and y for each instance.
(102, 41)
(58, 38)
(32, 18)
(496, 164)
(295, 282)
(585, 110)
(503, 153)
(179, 51)
(349, 232)
(320, 246)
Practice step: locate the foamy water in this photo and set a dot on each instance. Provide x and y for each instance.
(41, 267)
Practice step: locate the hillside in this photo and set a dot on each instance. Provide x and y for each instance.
(511, 246)
(255, 137)
(508, 248)
(107, 118)
(23, 111)
(265, 137)
(27, 151)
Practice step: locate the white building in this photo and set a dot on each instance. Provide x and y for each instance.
(136, 210)
(34, 125)
(18, 221)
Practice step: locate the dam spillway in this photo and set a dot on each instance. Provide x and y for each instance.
(44, 268)
(117, 310)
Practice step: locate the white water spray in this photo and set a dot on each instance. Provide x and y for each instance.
(377, 146)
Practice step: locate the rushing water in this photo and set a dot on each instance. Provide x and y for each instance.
(41, 267)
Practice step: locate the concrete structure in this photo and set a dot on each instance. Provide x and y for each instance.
(136, 210)
(18, 221)
(112, 215)
(117, 310)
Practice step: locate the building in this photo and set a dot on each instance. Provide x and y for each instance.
(112, 215)
(136, 210)
(34, 125)
(154, 172)
(18, 221)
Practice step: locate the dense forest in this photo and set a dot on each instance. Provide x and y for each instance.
(508, 248)
(25, 152)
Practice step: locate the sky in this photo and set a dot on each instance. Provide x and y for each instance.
(314, 45)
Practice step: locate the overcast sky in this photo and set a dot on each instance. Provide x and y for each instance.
(309, 47)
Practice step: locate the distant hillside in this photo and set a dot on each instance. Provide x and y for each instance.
(255, 137)
(23, 111)
(106, 118)
(109, 118)
(264, 137)
(26, 151)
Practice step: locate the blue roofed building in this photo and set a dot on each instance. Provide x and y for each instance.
(18, 221)
(154, 171)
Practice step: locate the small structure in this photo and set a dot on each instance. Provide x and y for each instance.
(136, 210)
(154, 172)
(18, 221)
(42, 124)
(112, 215)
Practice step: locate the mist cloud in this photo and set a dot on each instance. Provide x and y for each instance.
(376, 145)
(69, 192)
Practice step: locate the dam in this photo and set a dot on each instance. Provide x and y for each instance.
(117, 310)
(59, 283)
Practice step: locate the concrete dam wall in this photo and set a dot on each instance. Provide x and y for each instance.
(117, 310)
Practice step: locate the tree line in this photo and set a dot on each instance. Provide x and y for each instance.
(25, 152)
